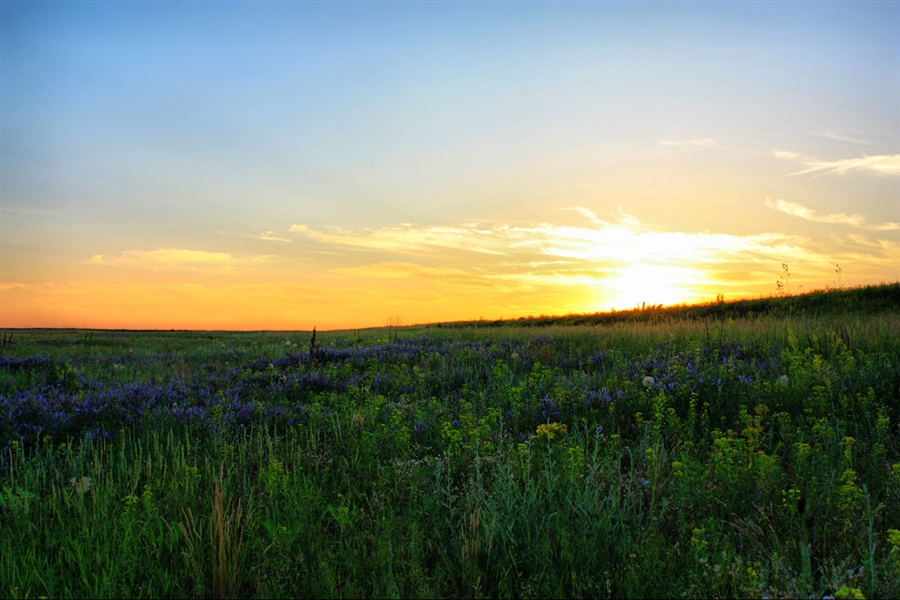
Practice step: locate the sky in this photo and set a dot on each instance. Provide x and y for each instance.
(285, 165)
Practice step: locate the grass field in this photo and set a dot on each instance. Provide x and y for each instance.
(746, 453)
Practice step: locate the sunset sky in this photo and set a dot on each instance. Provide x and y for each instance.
(284, 165)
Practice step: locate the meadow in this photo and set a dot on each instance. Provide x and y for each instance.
(706, 455)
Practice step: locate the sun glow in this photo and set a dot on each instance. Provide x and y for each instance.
(342, 278)
(641, 284)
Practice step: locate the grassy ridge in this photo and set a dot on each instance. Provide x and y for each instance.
(737, 457)
(870, 299)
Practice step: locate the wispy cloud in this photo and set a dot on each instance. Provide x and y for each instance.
(881, 164)
(403, 270)
(177, 258)
(30, 211)
(625, 242)
(842, 138)
(269, 236)
(703, 142)
(623, 261)
(798, 210)
(260, 234)
(409, 239)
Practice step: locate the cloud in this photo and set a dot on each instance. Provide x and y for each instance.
(842, 138)
(270, 236)
(891, 248)
(703, 142)
(601, 242)
(618, 263)
(177, 258)
(403, 270)
(881, 164)
(260, 234)
(408, 239)
(787, 155)
(798, 210)
(30, 211)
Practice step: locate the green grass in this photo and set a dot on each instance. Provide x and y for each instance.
(762, 459)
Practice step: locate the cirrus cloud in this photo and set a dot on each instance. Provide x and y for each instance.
(177, 258)
(798, 210)
(880, 164)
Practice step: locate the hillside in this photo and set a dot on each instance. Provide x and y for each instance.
(863, 300)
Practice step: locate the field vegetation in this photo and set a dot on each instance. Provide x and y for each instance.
(720, 452)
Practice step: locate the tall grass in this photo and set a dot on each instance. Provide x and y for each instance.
(761, 458)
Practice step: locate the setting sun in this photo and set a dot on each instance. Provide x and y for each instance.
(647, 284)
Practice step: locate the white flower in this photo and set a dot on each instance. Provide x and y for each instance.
(648, 381)
(784, 380)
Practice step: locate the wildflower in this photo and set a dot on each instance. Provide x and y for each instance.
(784, 379)
(648, 381)
(846, 591)
(894, 538)
(550, 431)
(82, 485)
